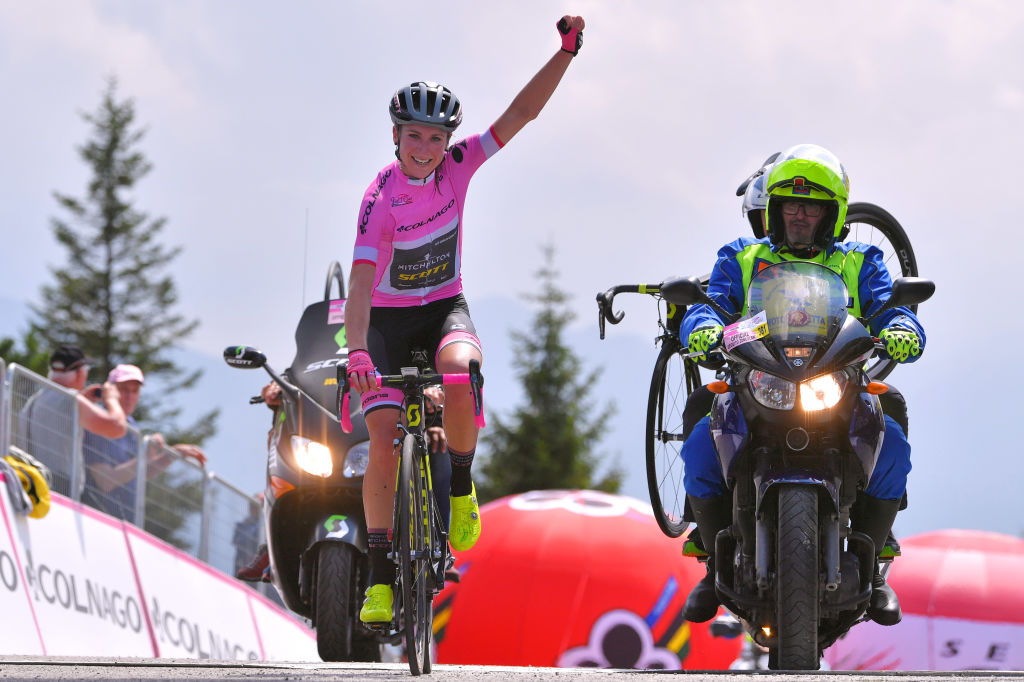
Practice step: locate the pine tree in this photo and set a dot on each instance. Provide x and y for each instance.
(34, 356)
(112, 298)
(549, 442)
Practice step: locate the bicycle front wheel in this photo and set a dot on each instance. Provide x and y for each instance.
(874, 225)
(414, 556)
(674, 378)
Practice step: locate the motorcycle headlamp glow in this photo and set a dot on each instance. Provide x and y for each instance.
(772, 391)
(312, 457)
(822, 393)
(356, 460)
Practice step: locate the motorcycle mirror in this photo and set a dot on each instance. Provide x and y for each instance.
(686, 291)
(683, 291)
(911, 290)
(244, 357)
(906, 291)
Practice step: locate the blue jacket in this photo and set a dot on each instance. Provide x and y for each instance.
(861, 265)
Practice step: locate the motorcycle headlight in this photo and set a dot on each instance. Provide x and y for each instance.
(356, 460)
(823, 392)
(772, 391)
(312, 457)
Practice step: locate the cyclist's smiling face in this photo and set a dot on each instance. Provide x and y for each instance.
(799, 225)
(420, 149)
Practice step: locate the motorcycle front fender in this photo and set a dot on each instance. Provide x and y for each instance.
(768, 485)
(332, 528)
(339, 528)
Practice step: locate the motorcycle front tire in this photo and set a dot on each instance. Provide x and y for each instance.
(797, 579)
(336, 599)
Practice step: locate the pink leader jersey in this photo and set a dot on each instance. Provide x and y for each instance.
(411, 230)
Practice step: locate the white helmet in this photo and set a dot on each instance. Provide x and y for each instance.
(755, 195)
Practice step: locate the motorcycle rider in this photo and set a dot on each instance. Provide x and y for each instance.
(406, 289)
(807, 191)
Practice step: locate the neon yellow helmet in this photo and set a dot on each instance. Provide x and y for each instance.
(808, 171)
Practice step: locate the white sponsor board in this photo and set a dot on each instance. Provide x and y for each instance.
(283, 639)
(19, 629)
(78, 582)
(195, 611)
(81, 583)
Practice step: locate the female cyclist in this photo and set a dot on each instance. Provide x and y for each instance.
(406, 291)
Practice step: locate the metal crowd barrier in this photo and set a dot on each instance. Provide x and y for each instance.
(5, 419)
(169, 496)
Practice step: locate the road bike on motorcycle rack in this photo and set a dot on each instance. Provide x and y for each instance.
(420, 547)
(797, 425)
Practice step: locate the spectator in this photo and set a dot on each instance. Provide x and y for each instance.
(40, 431)
(110, 464)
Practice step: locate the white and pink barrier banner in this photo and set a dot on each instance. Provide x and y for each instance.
(79, 583)
(963, 608)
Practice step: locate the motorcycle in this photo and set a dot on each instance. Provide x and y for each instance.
(313, 507)
(798, 427)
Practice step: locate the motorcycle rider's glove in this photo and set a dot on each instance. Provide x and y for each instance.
(703, 339)
(360, 367)
(901, 344)
(572, 38)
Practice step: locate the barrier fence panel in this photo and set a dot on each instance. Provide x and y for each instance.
(5, 413)
(174, 499)
(44, 423)
(235, 528)
(111, 474)
(131, 478)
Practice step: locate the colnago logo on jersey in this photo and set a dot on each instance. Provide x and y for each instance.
(365, 218)
(444, 209)
(428, 265)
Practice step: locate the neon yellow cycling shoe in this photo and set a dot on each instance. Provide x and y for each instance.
(465, 527)
(377, 605)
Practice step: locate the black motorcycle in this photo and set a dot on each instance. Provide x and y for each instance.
(798, 428)
(313, 506)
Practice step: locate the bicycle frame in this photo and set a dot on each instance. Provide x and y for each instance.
(419, 542)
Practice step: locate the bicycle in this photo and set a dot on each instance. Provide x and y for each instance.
(420, 540)
(676, 377)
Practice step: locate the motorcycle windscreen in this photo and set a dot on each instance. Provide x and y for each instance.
(320, 345)
(804, 303)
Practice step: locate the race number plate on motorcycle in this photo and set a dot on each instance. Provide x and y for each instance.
(745, 331)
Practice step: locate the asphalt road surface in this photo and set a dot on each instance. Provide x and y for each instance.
(23, 668)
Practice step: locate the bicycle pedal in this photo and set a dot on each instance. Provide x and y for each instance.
(377, 627)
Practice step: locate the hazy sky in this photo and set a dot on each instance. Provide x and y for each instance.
(261, 114)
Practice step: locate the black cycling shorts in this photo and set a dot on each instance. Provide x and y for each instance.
(395, 332)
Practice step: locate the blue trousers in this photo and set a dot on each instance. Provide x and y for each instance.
(702, 471)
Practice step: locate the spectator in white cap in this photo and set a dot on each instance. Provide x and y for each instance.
(111, 464)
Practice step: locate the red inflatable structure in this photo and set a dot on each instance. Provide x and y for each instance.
(574, 579)
(962, 594)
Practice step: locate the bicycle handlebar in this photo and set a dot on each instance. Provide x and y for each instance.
(606, 299)
(411, 380)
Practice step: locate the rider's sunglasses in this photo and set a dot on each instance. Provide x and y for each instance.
(811, 209)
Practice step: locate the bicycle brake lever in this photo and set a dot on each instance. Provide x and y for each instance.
(344, 389)
(476, 384)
